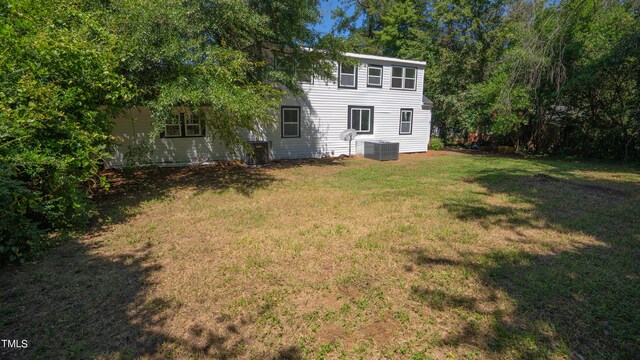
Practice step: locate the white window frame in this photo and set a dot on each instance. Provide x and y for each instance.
(369, 76)
(354, 74)
(370, 109)
(283, 122)
(178, 117)
(190, 117)
(402, 120)
(404, 78)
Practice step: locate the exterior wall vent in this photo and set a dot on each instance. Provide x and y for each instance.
(381, 150)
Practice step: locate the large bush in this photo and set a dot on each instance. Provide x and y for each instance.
(20, 235)
(58, 78)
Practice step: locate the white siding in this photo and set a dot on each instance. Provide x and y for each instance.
(324, 116)
(135, 127)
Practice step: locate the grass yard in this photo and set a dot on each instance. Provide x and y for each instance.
(439, 255)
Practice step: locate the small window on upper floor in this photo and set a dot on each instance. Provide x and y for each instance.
(305, 76)
(348, 76)
(374, 76)
(403, 78)
(288, 65)
(283, 62)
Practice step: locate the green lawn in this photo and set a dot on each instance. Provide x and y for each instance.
(434, 256)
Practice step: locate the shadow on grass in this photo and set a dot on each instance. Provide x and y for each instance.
(580, 299)
(79, 303)
(127, 191)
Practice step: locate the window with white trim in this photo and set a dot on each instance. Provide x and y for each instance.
(348, 77)
(192, 126)
(183, 125)
(173, 126)
(290, 118)
(403, 78)
(406, 121)
(374, 76)
(361, 119)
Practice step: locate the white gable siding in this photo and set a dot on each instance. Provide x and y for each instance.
(324, 115)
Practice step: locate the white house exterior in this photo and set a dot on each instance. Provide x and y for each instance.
(382, 99)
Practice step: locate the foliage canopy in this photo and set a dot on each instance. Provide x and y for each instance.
(549, 77)
(67, 66)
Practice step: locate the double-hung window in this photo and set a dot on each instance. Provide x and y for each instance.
(348, 76)
(406, 121)
(374, 76)
(173, 126)
(290, 118)
(192, 126)
(183, 125)
(361, 119)
(403, 78)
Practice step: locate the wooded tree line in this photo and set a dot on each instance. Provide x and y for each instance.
(550, 77)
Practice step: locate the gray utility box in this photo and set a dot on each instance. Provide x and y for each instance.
(381, 150)
(260, 154)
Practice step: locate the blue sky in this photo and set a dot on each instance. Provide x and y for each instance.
(325, 11)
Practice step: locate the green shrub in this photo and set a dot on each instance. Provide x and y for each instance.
(19, 234)
(54, 125)
(435, 144)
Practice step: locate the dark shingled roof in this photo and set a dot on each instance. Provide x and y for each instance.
(426, 101)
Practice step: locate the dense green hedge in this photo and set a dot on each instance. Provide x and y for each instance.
(57, 83)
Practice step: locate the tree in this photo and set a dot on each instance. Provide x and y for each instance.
(58, 75)
(211, 56)
(548, 77)
(67, 66)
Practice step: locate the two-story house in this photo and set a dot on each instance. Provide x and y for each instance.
(381, 99)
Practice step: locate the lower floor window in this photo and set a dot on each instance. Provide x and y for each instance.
(192, 127)
(183, 125)
(361, 119)
(290, 118)
(173, 126)
(406, 121)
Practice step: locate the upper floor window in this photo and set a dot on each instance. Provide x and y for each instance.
(374, 76)
(361, 119)
(348, 76)
(290, 117)
(403, 78)
(288, 65)
(406, 121)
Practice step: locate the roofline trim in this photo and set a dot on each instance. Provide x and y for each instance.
(385, 58)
